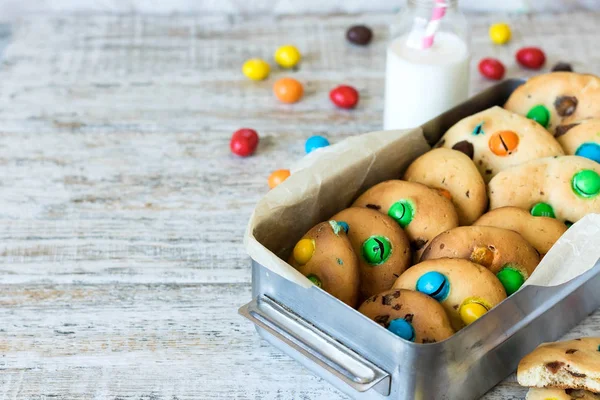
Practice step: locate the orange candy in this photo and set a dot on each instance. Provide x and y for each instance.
(288, 90)
(503, 143)
(278, 176)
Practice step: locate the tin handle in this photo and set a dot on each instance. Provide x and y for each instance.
(316, 345)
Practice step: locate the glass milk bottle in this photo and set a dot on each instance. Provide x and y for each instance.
(427, 67)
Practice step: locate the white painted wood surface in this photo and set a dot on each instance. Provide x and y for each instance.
(122, 210)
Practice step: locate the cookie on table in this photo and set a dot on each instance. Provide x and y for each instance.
(326, 257)
(504, 252)
(560, 394)
(382, 248)
(497, 139)
(567, 186)
(571, 364)
(411, 315)
(422, 212)
(557, 98)
(466, 290)
(456, 176)
(539, 229)
(581, 138)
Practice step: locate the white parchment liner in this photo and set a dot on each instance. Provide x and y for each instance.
(330, 179)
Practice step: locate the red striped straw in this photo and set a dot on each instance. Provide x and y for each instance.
(439, 10)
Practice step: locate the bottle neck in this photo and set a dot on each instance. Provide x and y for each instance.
(430, 4)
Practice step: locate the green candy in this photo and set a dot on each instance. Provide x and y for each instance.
(511, 279)
(314, 279)
(402, 211)
(540, 114)
(376, 250)
(586, 183)
(542, 210)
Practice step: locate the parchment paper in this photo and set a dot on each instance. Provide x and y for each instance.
(330, 179)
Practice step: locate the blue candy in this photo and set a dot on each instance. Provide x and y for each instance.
(403, 329)
(434, 284)
(589, 150)
(344, 226)
(315, 142)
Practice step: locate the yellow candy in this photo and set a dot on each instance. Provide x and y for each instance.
(500, 33)
(304, 250)
(256, 69)
(287, 56)
(471, 312)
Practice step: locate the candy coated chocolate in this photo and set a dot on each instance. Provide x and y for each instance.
(511, 279)
(315, 142)
(471, 312)
(542, 210)
(288, 90)
(376, 250)
(287, 56)
(304, 250)
(478, 130)
(256, 69)
(500, 33)
(565, 105)
(402, 328)
(503, 143)
(315, 279)
(531, 57)
(344, 96)
(278, 176)
(402, 212)
(359, 34)
(244, 142)
(586, 183)
(589, 150)
(434, 284)
(492, 68)
(540, 114)
(344, 226)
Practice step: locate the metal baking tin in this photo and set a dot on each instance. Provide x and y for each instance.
(365, 361)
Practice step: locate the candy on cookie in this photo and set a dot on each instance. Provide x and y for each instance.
(568, 186)
(560, 394)
(422, 212)
(466, 290)
(382, 248)
(411, 315)
(453, 172)
(325, 256)
(557, 98)
(504, 252)
(537, 226)
(571, 364)
(497, 139)
(581, 138)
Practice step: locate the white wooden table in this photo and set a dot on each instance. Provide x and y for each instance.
(122, 209)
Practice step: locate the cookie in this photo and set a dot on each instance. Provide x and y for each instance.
(557, 98)
(504, 252)
(382, 248)
(456, 176)
(497, 139)
(560, 394)
(567, 187)
(581, 138)
(541, 231)
(326, 257)
(466, 290)
(421, 211)
(411, 315)
(572, 364)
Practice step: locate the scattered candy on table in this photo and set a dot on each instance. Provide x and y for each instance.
(562, 66)
(315, 142)
(278, 176)
(491, 68)
(287, 56)
(531, 57)
(500, 33)
(244, 142)
(359, 34)
(256, 69)
(288, 90)
(344, 96)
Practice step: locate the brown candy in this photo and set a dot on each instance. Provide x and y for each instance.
(465, 147)
(359, 34)
(565, 105)
(562, 66)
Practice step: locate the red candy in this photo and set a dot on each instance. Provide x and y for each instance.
(244, 142)
(531, 57)
(344, 96)
(491, 68)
